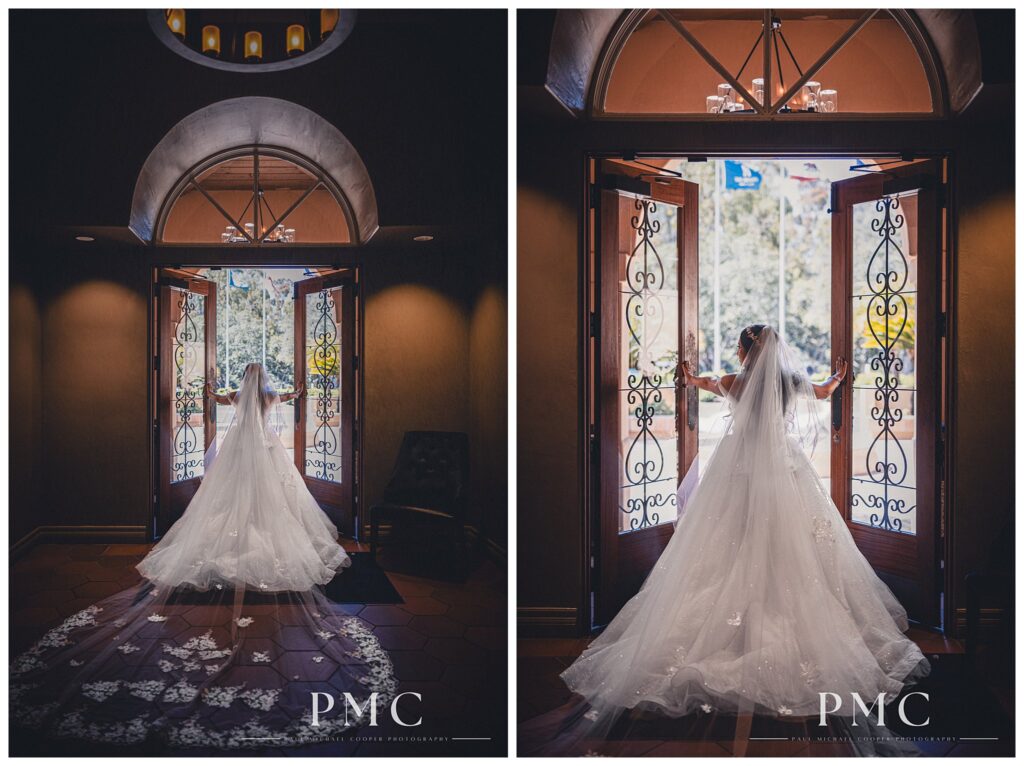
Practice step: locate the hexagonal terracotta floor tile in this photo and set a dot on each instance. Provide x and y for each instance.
(254, 677)
(75, 605)
(303, 664)
(467, 679)
(416, 666)
(424, 605)
(97, 590)
(171, 627)
(487, 615)
(441, 626)
(53, 580)
(294, 637)
(127, 549)
(90, 569)
(455, 651)
(54, 598)
(400, 637)
(488, 637)
(36, 616)
(385, 615)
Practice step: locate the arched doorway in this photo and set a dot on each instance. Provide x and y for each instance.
(201, 144)
(640, 80)
(255, 209)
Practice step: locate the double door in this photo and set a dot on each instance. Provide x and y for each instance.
(886, 447)
(323, 433)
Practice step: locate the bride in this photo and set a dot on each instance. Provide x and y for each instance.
(230, 634)
(761, 600)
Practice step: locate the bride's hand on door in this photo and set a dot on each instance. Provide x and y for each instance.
(686, 373)
(842, 367)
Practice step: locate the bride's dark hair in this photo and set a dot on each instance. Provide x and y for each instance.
(747, 335)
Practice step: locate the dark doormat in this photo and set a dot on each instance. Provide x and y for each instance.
(362, 583)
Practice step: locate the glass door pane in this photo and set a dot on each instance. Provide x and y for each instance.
(649, 345)
(887, 419)
(647, 424)
(188, 351)
(323, 440)
(884, 384)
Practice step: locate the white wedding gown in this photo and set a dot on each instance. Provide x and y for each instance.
(761, 599)
(225, 640)
(252, 520)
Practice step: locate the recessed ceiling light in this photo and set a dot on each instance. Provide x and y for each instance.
(423, 238)
(84, 238)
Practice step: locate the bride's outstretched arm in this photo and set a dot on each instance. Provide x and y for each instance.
(831, 383)
(299, 391)
(227, 398)
(710, 383)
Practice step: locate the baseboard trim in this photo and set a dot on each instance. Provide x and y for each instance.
(990, 617)
(47, 533)
(546, 621)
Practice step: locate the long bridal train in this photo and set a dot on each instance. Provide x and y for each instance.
(761, 600)
(228, 637)
(226, 668)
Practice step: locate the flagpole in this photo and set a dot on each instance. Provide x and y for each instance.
(227, 333)
(717, 359)
(782, 252)
(263, 287)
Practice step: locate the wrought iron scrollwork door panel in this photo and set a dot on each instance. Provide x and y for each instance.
(887, 262)
(647, 428)
(325, 354)
(185, 428)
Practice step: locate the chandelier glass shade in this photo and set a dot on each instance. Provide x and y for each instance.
(252, 39)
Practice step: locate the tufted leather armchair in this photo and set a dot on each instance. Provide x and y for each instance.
(430, 479)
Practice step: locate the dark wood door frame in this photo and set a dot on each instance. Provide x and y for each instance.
(623, 559)
(898, 557)
(877, 139)
(177, 257)
(341, 498)
(174, 496)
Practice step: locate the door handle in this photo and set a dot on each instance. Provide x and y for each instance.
(837, 413)
(691, 391)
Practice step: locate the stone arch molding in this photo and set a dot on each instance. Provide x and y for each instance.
(246, 121)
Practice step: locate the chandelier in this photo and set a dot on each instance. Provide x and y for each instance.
(811, 97)
(233, 235)
(252, 36)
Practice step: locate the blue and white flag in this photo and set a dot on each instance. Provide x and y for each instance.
(238, 281)
(739, 175)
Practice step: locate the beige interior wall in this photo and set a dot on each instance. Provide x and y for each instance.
(416, 359)
(549, 512)
(79, 387)
(488, 408)
(25, 407)
(983, 501)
